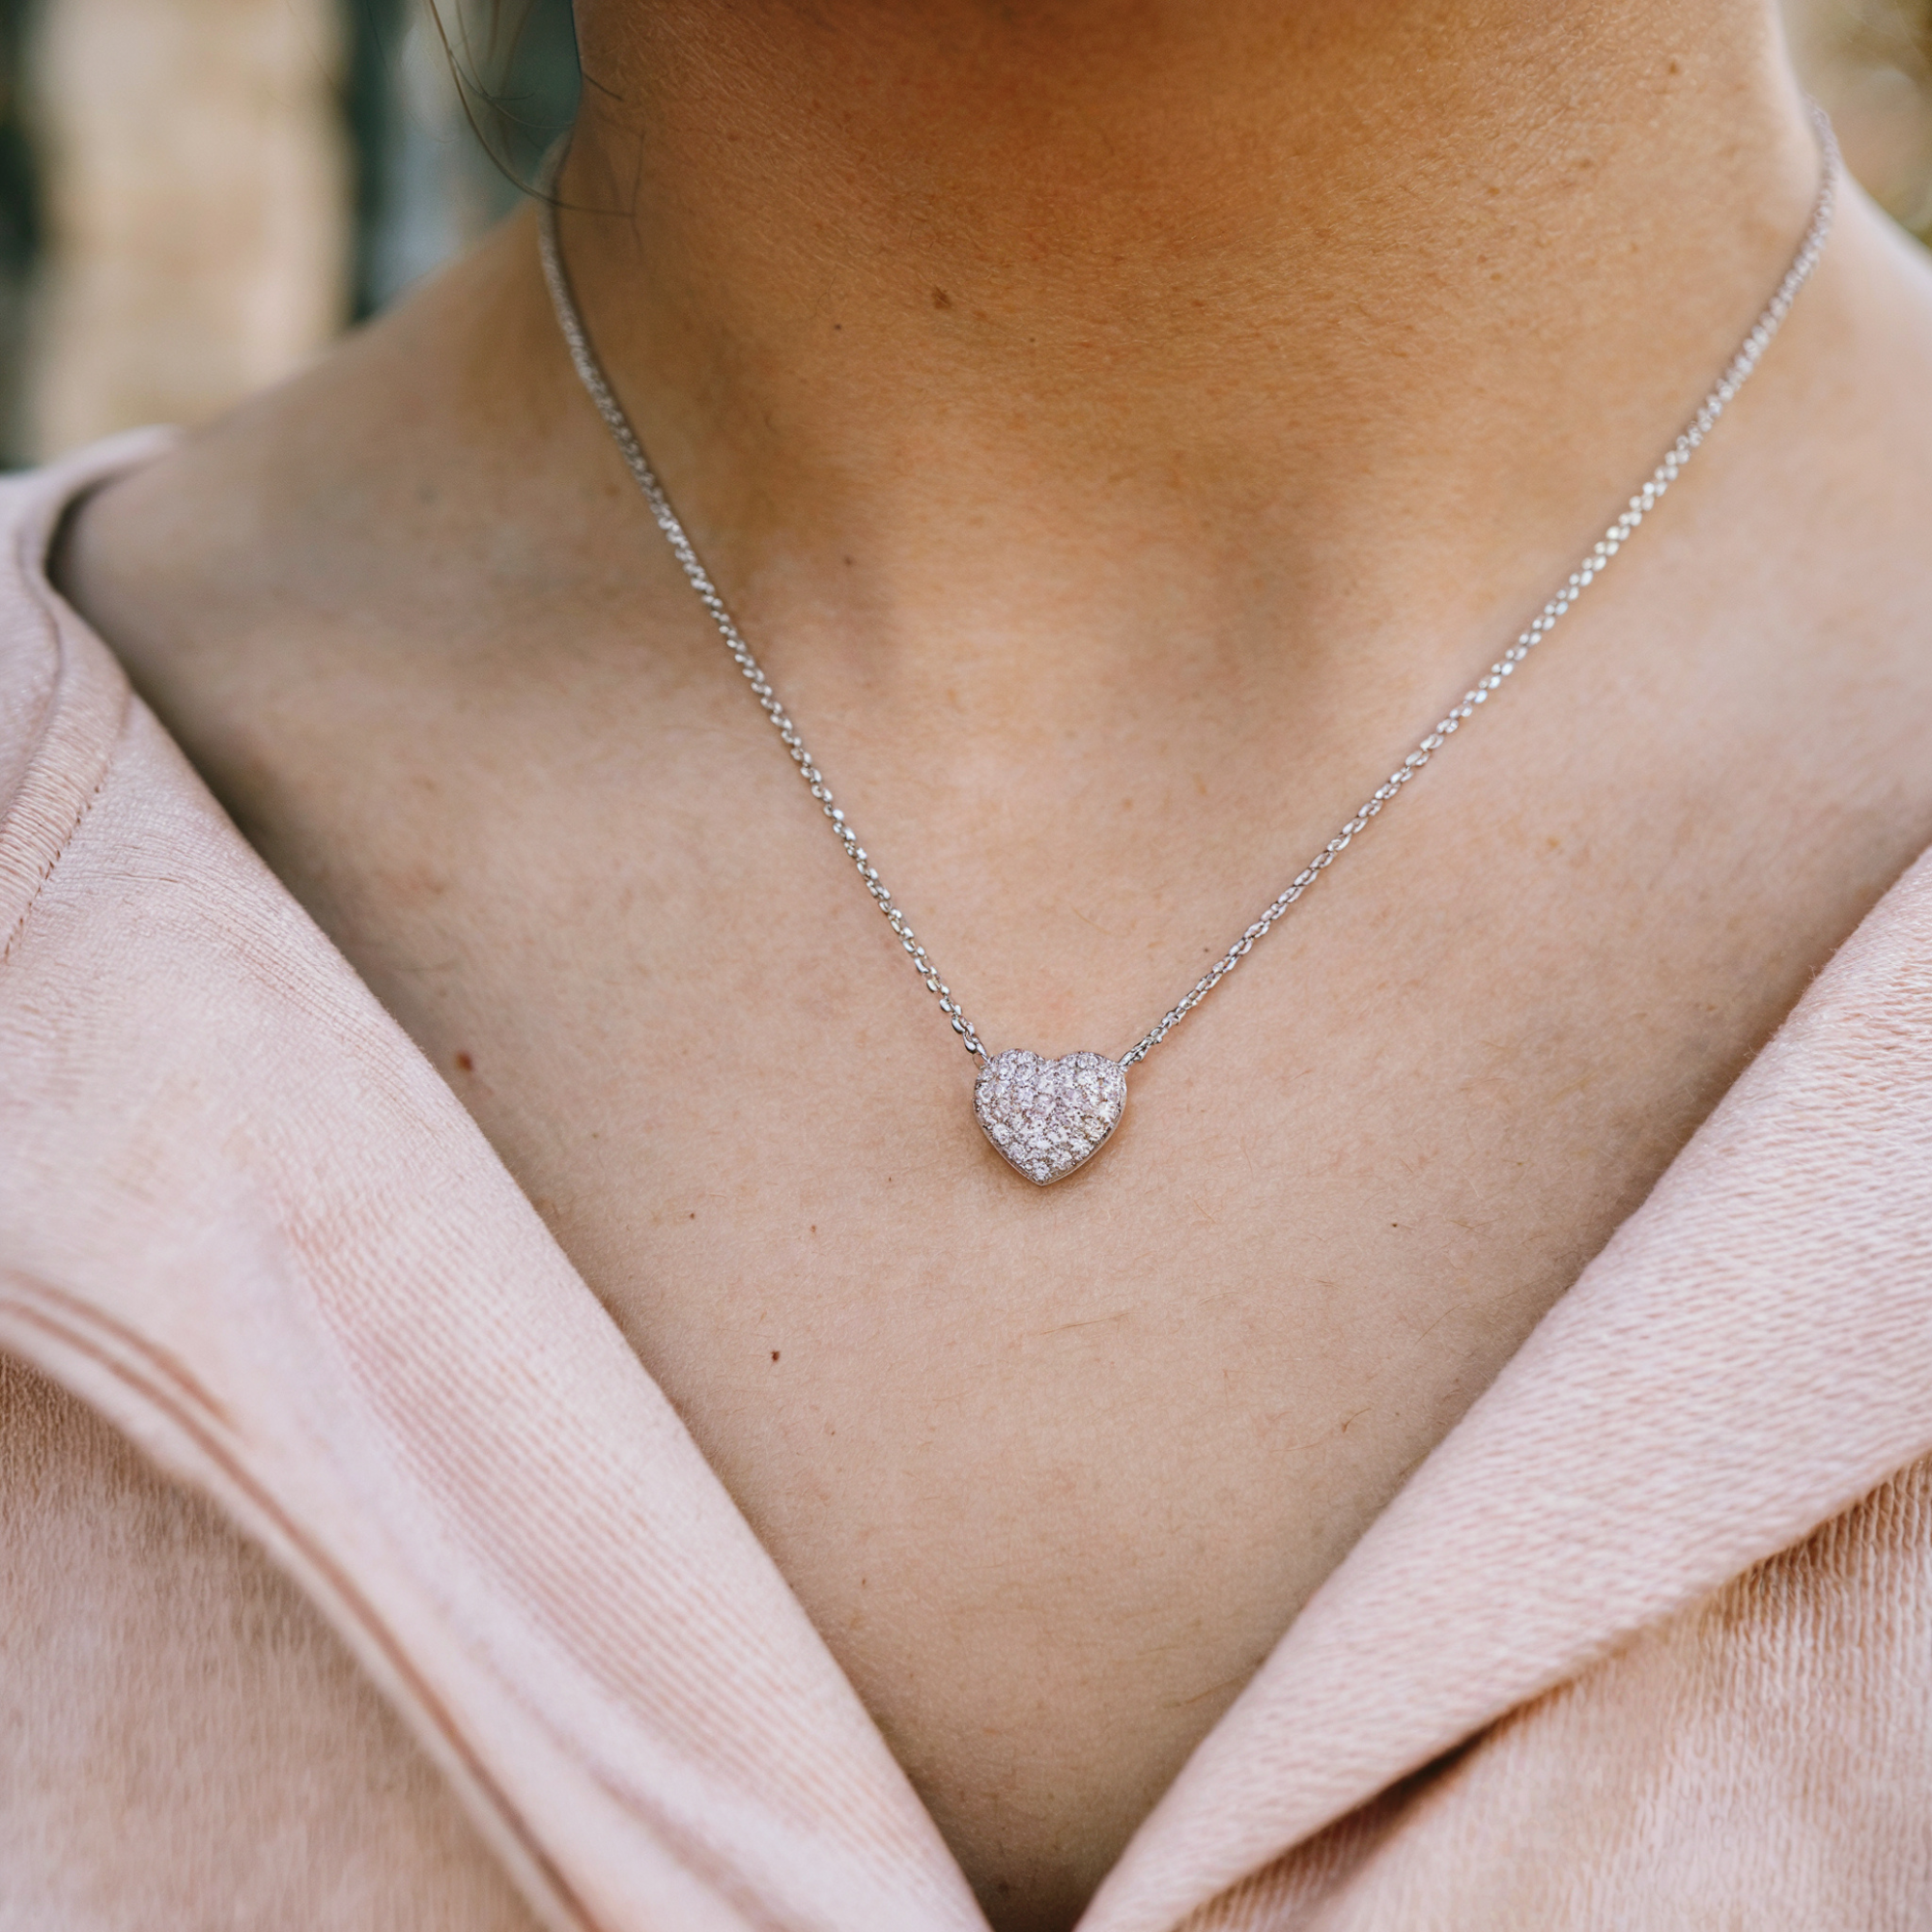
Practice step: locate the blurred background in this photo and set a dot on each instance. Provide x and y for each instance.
(196, 195)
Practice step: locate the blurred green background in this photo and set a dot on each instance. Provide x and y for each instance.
(197, 195)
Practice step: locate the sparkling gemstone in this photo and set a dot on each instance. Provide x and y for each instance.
(1048, 1116)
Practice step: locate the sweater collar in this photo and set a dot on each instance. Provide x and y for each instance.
(1750, 1355)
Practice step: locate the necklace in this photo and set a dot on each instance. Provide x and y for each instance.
(1048, 1117)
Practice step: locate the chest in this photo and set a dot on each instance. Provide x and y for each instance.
(1052, 1470)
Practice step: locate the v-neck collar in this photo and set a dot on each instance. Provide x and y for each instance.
(1750, 1355)
(247, 1220)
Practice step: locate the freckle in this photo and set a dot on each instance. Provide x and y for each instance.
(693, 1214)
(775, 1354)
(848, 562)
(464, 1064)
(814, 1227)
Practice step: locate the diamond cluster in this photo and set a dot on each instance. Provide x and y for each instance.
(1048, 1116)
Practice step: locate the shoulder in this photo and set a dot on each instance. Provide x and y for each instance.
(39, 640)
(392, 476)
(1803, 579)
(1863, 455)
(330, 582)
(365, 602)
(63, 697)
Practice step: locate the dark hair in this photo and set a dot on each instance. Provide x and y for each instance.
(516, 68)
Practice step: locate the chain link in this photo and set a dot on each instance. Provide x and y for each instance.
(590, 372)
(1592, 566)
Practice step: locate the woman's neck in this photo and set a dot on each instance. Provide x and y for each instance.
(1217, 306)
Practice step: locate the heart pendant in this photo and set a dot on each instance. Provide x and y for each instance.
(1049, 1117)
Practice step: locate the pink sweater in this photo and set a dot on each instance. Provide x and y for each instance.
(354, 1574)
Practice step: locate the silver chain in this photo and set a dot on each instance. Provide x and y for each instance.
(1592, 566)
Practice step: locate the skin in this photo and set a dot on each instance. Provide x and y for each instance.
(1123, 429)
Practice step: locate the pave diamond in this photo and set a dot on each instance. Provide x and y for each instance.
(1049, 1116)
